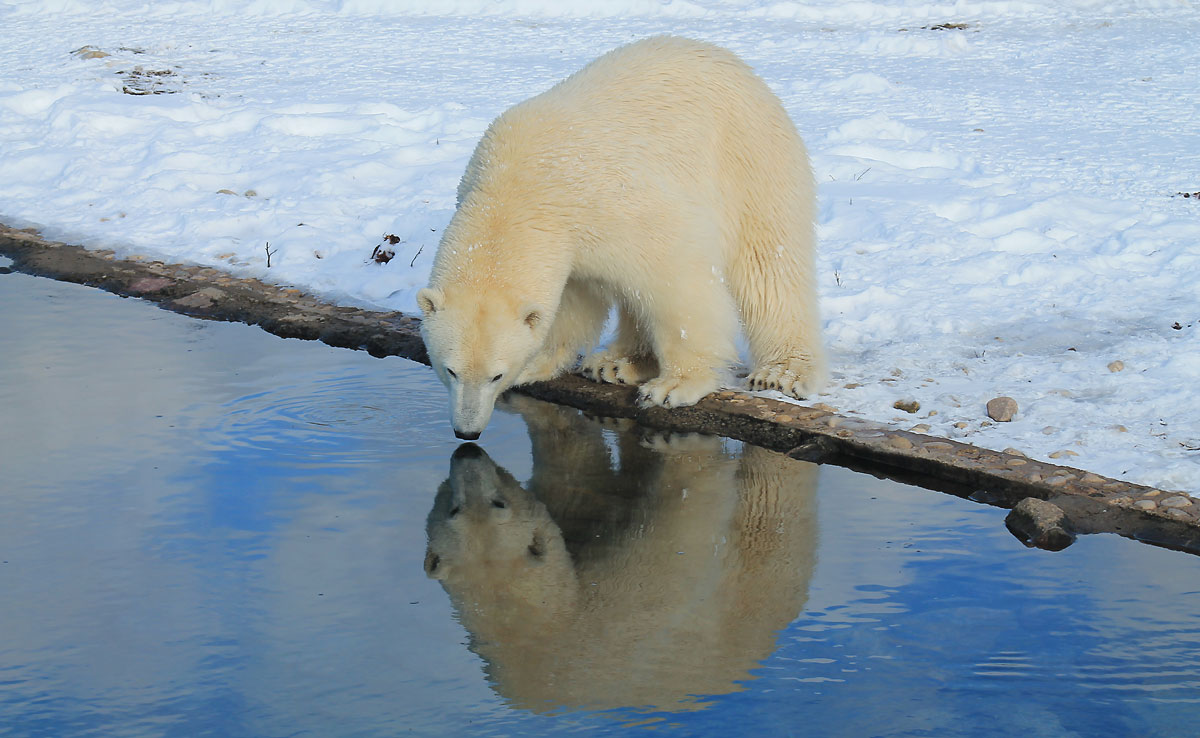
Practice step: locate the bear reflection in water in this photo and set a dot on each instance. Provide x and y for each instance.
(645, 573)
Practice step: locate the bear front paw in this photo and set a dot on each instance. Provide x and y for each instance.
(613, 369)
(795, 377)
(675, 390)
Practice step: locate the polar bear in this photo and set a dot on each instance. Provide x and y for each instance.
(664, 179)
(645, 573)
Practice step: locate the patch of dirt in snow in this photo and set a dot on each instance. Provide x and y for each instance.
(133, 78)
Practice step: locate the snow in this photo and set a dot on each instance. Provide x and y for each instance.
(998, 203)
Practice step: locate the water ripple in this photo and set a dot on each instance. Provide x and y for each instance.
(325, 410)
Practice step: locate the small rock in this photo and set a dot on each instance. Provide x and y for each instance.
(1001, 409)
(1064, 453)
(1145, 504)
(1116, 366)
(201, 299)
(89, 52)
(1015, 452)
(908, 406)
(962, 424)
(1177, 513)
(149, 284)
(250, 193)
(1040, 523)
(852, 385)
(919, 428)
(1092, 478)
(1152, 493)
(826, 408)
(1017, 462)
(899, 442)
(224, 191)
(1176, 501)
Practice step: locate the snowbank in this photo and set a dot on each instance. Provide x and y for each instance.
(999, 181)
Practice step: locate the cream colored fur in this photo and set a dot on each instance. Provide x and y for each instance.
(633, 581)
(664, 178)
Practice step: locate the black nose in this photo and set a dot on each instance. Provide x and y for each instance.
(467, 451)
(465, 436)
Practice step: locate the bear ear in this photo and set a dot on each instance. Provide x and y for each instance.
(430, 300)
(533, 315)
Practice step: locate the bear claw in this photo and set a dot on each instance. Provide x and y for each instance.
(675, 391)
(616, 369)
(793, 377)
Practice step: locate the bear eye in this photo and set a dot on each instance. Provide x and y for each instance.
(451, 373)
(497, 377)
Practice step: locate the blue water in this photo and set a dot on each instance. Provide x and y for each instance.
(209, 531)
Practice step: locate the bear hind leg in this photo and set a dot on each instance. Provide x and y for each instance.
(777, 294)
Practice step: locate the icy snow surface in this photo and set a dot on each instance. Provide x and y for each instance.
(998, 203)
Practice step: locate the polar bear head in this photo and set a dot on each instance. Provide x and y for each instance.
(497, 551)
(479, 343)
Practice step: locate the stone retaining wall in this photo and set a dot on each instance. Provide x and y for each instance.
(1091, 503)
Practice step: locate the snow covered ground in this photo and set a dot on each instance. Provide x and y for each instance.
(999, 179)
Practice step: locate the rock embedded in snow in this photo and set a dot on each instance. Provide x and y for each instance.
(1001, 409)
(1064, 453)
(89, 52)
(908, 406)
(1116, 366)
